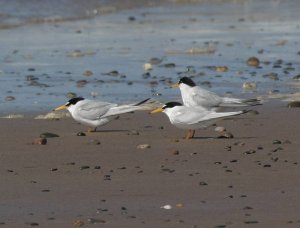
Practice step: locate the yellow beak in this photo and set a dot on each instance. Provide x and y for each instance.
(176, 85)
(157, 110)
(63, 107)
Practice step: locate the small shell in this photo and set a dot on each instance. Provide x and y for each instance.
(167, 207)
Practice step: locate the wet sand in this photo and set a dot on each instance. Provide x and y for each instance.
(72, 181)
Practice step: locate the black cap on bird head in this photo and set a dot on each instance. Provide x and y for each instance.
(171, 104)
(74, 100)
(187, 81)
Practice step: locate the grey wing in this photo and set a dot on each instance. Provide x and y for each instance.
(94, 109)
(193, 116)
(205, 98)
(189, 116)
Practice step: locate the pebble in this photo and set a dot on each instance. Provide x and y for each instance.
(176, 152)
(143, 146)
(39, 141)
(249, 85)
(251, 222)
(95, 142)
(253, 61)
(81, 83)
(78, 223)
(31, 78)
(202, 183)
(81, 134)
(166, 207)
(113, 73)
(221, 69)
(48, 135)
(84, 167)
(169, 65)
(155, 61)
(276, 141)
(273, 76)
(9, 98)
(131, 18)
(179, 205)
(220, 129)
(96, 221)
(147, 66)
(88, 73)
(250, 152)
(32, 224)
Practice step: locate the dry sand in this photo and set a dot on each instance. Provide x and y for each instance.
(71, 181)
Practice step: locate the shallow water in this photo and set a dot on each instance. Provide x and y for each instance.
(124, 40)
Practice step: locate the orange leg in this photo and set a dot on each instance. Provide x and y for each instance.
(90, 130)
(190, 134)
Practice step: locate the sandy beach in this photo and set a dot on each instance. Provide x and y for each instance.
(104, 179)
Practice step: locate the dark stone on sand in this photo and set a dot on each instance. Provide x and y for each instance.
(267, 166)
(95, 142)
(250, 152)
(39, 141)
(234, 160)
(84, 167)
(220, 226)
(251, 222)
(9, 98)
(32, 224)
(96, 221)
(107, 177)
(53, 169)
(31, 69)
(294, 104)
(228, 148)
(253, 61)
(277, 149)
(175, 152)
(46, 190)
(247, 208)
(276, 141)
(97, 167)
(48, 135)
(202, 183)
(81, 134)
